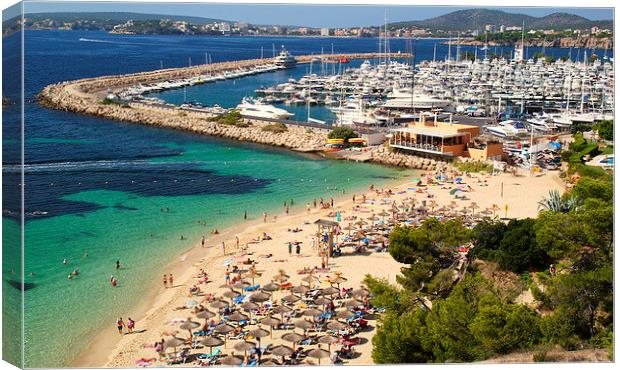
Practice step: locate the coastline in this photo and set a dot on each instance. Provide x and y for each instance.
(104, 345)
(108, 351)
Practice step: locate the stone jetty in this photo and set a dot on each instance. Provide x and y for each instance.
(84, 97)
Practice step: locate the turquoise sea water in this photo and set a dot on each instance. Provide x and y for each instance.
(98, 186)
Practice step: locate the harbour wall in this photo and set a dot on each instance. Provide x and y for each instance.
(84, 97)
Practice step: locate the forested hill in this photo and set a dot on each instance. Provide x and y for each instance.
(469, 19)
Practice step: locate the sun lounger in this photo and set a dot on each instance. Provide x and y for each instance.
(252, 288)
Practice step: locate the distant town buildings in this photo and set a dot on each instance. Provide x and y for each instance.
(324, 31)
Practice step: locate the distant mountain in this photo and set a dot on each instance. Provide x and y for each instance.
(118, 17)
(470, 19)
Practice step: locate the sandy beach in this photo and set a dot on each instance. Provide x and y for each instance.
(512, 196)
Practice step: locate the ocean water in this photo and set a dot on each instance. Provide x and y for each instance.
(99, 186)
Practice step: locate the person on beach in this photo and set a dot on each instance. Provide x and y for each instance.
(202, 241)
(264, 217)
(245, 215)
(298, 248)
(353, 198)
(308, 207)
(171, 280)
(118, 264)
(237, 241)
(130, 325)
(290, 248)
(120, 325)
(223, 247)
(165, 280)
(331, 201)
(227, 277)
(286, 210)
(314, 202)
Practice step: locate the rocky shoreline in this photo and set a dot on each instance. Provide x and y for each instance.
(562, 42)
(84, 97)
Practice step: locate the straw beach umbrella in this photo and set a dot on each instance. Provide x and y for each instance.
(312, 312)
(361, 292)
(346, 314)
(318, 353)
(232, 360)
(292, 338)
(189, 325)
(211, 342)
(237, 316)
(291, 298)
(205, 314)
(271, 287)
(330, 291)
(352, 303)
(329, 340)
(244, 346)
(173, 342)
(259, 297)
(249, 306)
(282, 351)
(335, 325)
(218, 304)
(241, 285)
(271, 322)
(300, 289)
(258, 333)
(322, 301)
(303, 324)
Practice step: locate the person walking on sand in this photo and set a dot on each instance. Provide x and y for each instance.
(130, 325)
(298, 248)
(165, 280)
(264, 217)
(120, 325)
(286, 210)
(202, 241)
(308, 207)
(245, 215)
(290, 248)
(171, 280)
(237, 240)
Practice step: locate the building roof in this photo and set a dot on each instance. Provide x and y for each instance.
(429, 132)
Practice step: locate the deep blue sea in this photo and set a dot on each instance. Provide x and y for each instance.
(98, 186)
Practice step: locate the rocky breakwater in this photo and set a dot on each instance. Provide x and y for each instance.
(62, 97)
(385, 155)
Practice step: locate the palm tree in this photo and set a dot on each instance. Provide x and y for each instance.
(554, 202)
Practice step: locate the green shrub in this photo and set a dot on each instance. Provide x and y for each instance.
(107, 101)
(605, 129)
(540, 356)
(473, 166)
(275, 128)
(342, 132)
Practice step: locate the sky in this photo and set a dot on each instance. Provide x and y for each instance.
(296, 14)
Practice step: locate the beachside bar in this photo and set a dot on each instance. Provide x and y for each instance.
(436, 138)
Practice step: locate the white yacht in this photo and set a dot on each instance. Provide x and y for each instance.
(406, 99)
(507, 129)
(285, 59)
(251, 108)
(353, 113)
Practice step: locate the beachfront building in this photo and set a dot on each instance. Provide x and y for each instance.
(443, 139)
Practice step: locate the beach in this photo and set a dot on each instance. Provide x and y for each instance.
(516, 197)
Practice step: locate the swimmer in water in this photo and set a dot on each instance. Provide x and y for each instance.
(64, 261)
(118, 264)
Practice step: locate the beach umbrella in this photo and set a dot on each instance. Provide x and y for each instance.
(329, 340)
(252, 274)
(353, 303)
(346, 314)
(373, 218)
(473, 207)
(282, 309)
(318, 353)
(205, 314)
(335, 325)
(244, 346)
(291, 298)
(312, 312)
(361, 223)
(361, 292)
(282, 351)
(322, 301)
(249, 306)
(271, 322)
(224, 329)
(189, 325)
(211, 342)
(338, 280)
(237, 316)
(259, 297)
(241, 284)
(300, 289)
(218, 304)
(258, 333)
(293, 338)
(303, 324)
(495, 208)
(330, 291)
(173, 342)
(271, 287)
(232, 360)
(309, 279)
(231, 294)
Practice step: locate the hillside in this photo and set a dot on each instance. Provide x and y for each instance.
(117, 17)
(469, 19)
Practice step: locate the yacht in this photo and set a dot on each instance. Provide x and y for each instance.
(405, 99)
(507, 129)
(285, 59)
(251, 108)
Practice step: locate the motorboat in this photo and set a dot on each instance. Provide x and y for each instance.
(507, 129)
(285, 59)
(255, 109)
